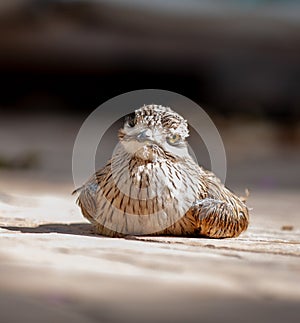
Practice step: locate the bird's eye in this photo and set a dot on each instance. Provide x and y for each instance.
(174, 139)
(131, 120)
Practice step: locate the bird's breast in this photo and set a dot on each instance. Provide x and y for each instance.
(145, 198)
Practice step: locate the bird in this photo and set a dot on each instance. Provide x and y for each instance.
(153, 186)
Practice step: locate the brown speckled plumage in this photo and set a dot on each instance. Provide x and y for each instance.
(153, 186)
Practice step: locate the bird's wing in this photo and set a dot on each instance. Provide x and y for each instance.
(220, 219)
(218, 211)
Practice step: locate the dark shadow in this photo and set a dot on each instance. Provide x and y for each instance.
(83, 229)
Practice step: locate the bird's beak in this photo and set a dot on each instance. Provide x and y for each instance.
(145, 135)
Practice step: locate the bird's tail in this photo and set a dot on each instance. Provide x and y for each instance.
(77, 190)
(245, 198)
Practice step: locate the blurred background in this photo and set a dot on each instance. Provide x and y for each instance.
(239, 60)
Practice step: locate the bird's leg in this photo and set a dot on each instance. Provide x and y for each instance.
(220, 219)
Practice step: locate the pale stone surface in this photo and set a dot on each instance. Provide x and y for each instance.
(53, 268)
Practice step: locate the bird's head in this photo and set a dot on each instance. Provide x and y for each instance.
(154, 132)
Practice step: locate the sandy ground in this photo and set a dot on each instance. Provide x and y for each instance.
(54, 269)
